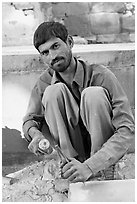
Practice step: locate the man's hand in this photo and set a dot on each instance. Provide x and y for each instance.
(76, 171)
(34, 144)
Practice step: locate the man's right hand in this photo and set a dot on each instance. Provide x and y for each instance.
(36, 136)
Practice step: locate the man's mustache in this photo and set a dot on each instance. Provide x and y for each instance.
(56, 60)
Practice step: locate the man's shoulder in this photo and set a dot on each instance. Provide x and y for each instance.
(46, 76)
(94, 67)
(43, 81)
(98, 67)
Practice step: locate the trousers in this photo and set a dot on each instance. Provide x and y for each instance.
(62, 115)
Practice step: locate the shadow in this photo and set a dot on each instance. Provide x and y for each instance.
(12, 141)
(15, 149)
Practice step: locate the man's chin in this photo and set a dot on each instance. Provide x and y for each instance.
(58, 68)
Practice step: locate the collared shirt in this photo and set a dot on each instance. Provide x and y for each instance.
(90, 75)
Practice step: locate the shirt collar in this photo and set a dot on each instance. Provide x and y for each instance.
(55, 78)
(79, 75)
(78, 78)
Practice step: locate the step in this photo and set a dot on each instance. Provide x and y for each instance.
(30, 50)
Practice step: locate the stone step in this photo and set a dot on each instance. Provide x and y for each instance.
(30, 50)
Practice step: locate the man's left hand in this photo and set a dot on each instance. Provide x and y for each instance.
(76, 171)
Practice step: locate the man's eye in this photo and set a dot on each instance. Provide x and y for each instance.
(56, 46)
(45, 53)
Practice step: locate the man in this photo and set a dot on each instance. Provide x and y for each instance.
(77, 101)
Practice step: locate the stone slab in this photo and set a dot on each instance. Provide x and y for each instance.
(30, 50)
(108, 7)
(105, 23)
(103, 191)
(128, 23)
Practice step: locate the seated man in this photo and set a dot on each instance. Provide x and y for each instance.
(84, 106)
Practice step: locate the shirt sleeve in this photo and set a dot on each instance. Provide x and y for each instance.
(123, 121)
(34, 116)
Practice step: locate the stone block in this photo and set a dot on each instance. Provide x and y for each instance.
(125, 167)
(124, 59)
(105, 23)
(132, 37)
(128, 23)
(46, 10)
(70, 8)
(113, 38)
(130, 5)
(122, 38)
(91, 39)
(78, 25)
(106, 38)
(79, 40)
(108, 7)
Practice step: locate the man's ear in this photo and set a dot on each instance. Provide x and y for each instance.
(70, 41)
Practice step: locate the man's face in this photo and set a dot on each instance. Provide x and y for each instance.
(56, 54)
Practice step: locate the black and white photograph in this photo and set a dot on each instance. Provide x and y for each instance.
(68, 101)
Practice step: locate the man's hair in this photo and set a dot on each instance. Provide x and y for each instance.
(47, 30)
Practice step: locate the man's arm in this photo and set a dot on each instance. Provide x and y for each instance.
(36, 136)
(123, 122)
(34, 116)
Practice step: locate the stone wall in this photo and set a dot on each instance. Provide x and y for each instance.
(96, 22)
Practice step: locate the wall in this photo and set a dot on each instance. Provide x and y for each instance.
(97, 22)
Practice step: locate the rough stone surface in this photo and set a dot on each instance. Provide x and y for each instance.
(122, 37)
(80, 40)
(47, 168)
(39, 182)
(125, 167)
(22, 63)
(91, 39)
(75, 8)
(108, 7)
(132, 37)
(113, 38)
(123, 59)
(105, 23)
(106, 38)
(78, 25)
(20, 19)
(128, 23)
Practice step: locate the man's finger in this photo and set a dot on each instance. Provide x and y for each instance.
(37, 153)
(66, 167)
(68, 173)
(73, 176)
(76, 179)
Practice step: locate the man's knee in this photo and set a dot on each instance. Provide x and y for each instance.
(53, 92)
(94, 94)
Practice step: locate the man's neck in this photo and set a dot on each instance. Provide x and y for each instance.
(69, 74)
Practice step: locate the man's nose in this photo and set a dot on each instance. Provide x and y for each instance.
(52, 55)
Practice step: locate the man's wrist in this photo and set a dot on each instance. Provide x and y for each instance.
(89, 172)
(34, 132)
